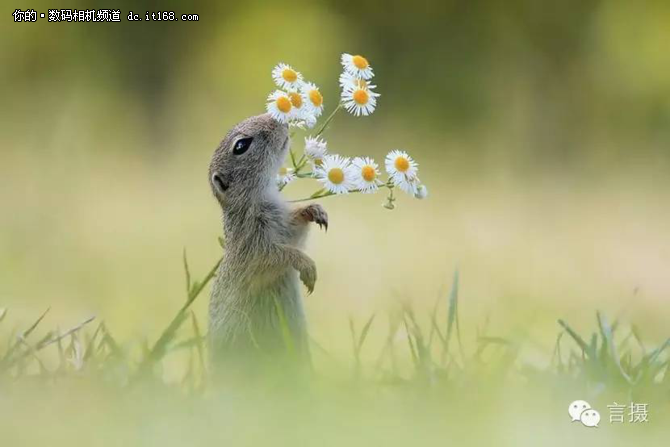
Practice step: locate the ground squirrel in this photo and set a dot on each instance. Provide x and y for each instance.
(262, 258)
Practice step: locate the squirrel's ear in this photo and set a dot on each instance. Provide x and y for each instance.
(219, 184)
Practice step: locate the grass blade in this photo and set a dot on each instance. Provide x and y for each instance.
(364, 332)
(606, 331)
(187, 272)
(160, 347)
(452, 316)
(575, 336)
(285, 330)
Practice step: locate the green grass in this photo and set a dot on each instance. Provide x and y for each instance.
(425, 384)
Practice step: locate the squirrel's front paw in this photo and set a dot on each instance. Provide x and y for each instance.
(315, 213)
(308, 274)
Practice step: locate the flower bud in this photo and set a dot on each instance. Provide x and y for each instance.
(421, 192)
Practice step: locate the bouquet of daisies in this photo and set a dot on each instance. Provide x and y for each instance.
(300, 104)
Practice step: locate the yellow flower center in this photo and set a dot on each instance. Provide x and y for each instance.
(402, 164)
(283, 171)
(361, 96)
(368, 173)
(336, 176)
(316, 98)
(361, 83)
(296, 99)
(284, 104)
(289, 75)
(360, 62)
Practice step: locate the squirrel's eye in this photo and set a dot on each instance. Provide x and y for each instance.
(242, 145)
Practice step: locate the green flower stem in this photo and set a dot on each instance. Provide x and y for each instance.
(328, 120)
(300, 164)
(306, 199)
(292, 158)
(388, 185)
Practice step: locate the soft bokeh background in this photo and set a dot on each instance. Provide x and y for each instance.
(542, 130)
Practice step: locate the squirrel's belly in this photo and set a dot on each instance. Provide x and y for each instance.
(261, 317)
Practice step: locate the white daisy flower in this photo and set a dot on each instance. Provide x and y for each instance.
(280, 107)
(296, 101)
(351, 82)
(421, 192)
(313, 98)
(400, 163)
(308, 118)
(403, 171)
(286, 77)
(360, 101)
(408, 184)
(366, 174)
(357, 65)
(303, 123)
(316, 164)
(336, 174)
(297, 124)
(303, 115)
(285, 176)
(315, 148)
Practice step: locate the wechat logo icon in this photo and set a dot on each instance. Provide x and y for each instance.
(581, 411)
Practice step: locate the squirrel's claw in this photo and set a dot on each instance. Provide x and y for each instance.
(308, 276)
(315, 213)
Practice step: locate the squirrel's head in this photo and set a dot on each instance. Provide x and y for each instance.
(245, 164)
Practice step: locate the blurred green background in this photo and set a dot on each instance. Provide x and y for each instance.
(541, 128)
